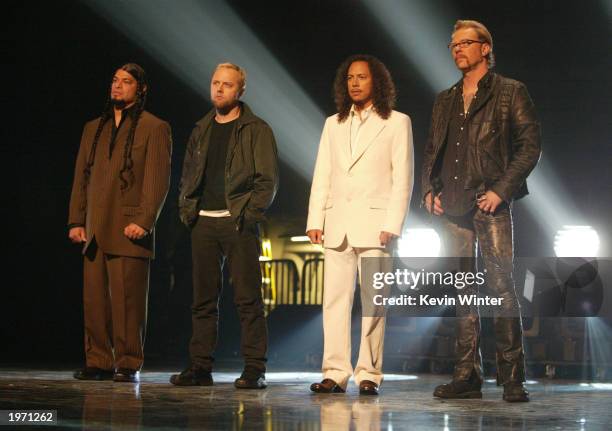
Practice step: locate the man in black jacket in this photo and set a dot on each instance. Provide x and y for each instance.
(230, 177)
(483, 143)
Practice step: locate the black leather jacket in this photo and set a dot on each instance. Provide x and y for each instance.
(503, 137)
(251, 169)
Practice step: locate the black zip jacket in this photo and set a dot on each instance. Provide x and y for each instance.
(251, 169)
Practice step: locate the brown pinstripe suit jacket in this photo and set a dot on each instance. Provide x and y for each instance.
(101, 206)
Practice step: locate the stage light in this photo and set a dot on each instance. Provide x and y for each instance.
(549, 203)
(419, 242)
(602, 386)
(576, 241)
(302, 238)
(190, 38)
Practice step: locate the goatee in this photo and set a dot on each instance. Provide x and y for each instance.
(118, 104)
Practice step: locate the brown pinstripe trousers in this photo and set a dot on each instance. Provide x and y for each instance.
(115, 309)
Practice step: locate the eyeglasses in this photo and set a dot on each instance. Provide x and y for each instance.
(463, 44)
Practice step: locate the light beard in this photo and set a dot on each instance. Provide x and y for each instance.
(226, 107)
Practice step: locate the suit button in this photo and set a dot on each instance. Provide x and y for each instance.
(348, 199)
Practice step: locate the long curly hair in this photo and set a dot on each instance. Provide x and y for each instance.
(383, 87)
(125, 175)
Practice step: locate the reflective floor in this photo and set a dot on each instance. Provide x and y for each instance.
(405, 402)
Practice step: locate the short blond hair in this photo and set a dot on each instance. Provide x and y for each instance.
(483, 34)
(238, 69)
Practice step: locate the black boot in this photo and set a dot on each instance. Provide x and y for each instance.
(251, 378)
(460, 389)
(515, 393)
(192, 377)
(127, 375)
(92, 373)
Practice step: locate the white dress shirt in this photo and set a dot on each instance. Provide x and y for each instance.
(358, 119)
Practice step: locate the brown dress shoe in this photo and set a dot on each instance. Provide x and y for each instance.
(367, 387)
(327, 386)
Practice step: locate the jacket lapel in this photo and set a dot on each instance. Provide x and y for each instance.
(446, 114)
(341, 138)
(246, 117)
(481, 99)
(120, 139)
(372, 128)
(485, 92)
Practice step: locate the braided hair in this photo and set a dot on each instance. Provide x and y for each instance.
(126, 174)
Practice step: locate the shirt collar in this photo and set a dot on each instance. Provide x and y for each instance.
(365, 113)
(127, 111)
(485, 81)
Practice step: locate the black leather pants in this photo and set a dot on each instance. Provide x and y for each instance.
(492, 234)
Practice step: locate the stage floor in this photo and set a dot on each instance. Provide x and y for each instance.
(405, 402)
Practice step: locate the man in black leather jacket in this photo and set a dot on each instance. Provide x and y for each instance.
(230, 177)
(483, 143)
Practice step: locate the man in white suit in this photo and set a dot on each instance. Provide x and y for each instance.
(360, 194)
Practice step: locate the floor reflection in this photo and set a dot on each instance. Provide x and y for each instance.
(405, 403)
(112, 409)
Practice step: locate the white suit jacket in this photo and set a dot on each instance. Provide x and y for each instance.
(361, 195)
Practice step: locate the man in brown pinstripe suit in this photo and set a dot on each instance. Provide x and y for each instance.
(121, 180)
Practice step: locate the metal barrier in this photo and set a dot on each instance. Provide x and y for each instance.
(280, 282)
(312, 282)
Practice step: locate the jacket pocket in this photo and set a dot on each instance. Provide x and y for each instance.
(131, 211)
(491, 151)
(379, 203)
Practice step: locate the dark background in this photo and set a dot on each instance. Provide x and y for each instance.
(63, 56)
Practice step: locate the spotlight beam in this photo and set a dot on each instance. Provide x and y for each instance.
(422, 33)
(549, 203)
(190, 38)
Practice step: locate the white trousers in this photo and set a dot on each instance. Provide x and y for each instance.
(341, 267)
